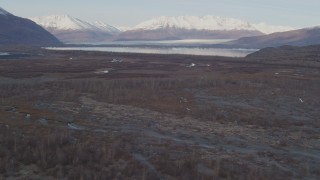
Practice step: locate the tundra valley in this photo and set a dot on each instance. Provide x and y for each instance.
(71, 112)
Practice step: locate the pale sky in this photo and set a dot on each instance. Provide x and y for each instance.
(296, 13)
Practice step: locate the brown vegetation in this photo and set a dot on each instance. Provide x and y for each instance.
(152, 117)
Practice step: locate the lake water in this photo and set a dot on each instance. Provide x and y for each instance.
(4, 54)
(188, 47)
(161, 43)
(166, 50)
(13, 55)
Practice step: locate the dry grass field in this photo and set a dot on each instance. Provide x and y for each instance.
(94, 115)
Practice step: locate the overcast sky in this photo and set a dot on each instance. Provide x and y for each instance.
(296, 13)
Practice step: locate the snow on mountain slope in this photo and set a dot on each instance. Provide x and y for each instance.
(196, 23)
(73, 30)
(269, 29)
(124, 28)
(105, 27)
(61, 22)
(212, 23)
(65, 22)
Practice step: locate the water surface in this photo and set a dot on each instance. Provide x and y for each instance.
(166, 50)
(4, 54)
(161, 43)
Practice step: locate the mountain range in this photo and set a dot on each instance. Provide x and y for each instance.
(209, 23)
(19, 31)
(73, 30)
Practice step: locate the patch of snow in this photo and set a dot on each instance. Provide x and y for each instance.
(301, 100)
(116, 60)
(103, 72)
(191, 65)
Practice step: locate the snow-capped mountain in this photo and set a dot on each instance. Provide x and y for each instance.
(19, 31)
(212, 23)
(190, 27)
(65, 22)
(74, 30)
(195, 23)
(204, 27)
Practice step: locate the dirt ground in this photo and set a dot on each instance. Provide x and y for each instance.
(95, 115)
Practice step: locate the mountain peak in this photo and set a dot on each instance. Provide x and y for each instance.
(73, 30)
(66, 22)
(61, 22)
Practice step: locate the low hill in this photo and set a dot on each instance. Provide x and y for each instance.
(301, 37)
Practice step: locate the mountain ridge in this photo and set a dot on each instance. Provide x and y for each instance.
(299, 37)
(73, 30)
(3, 12)
(20, 31)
